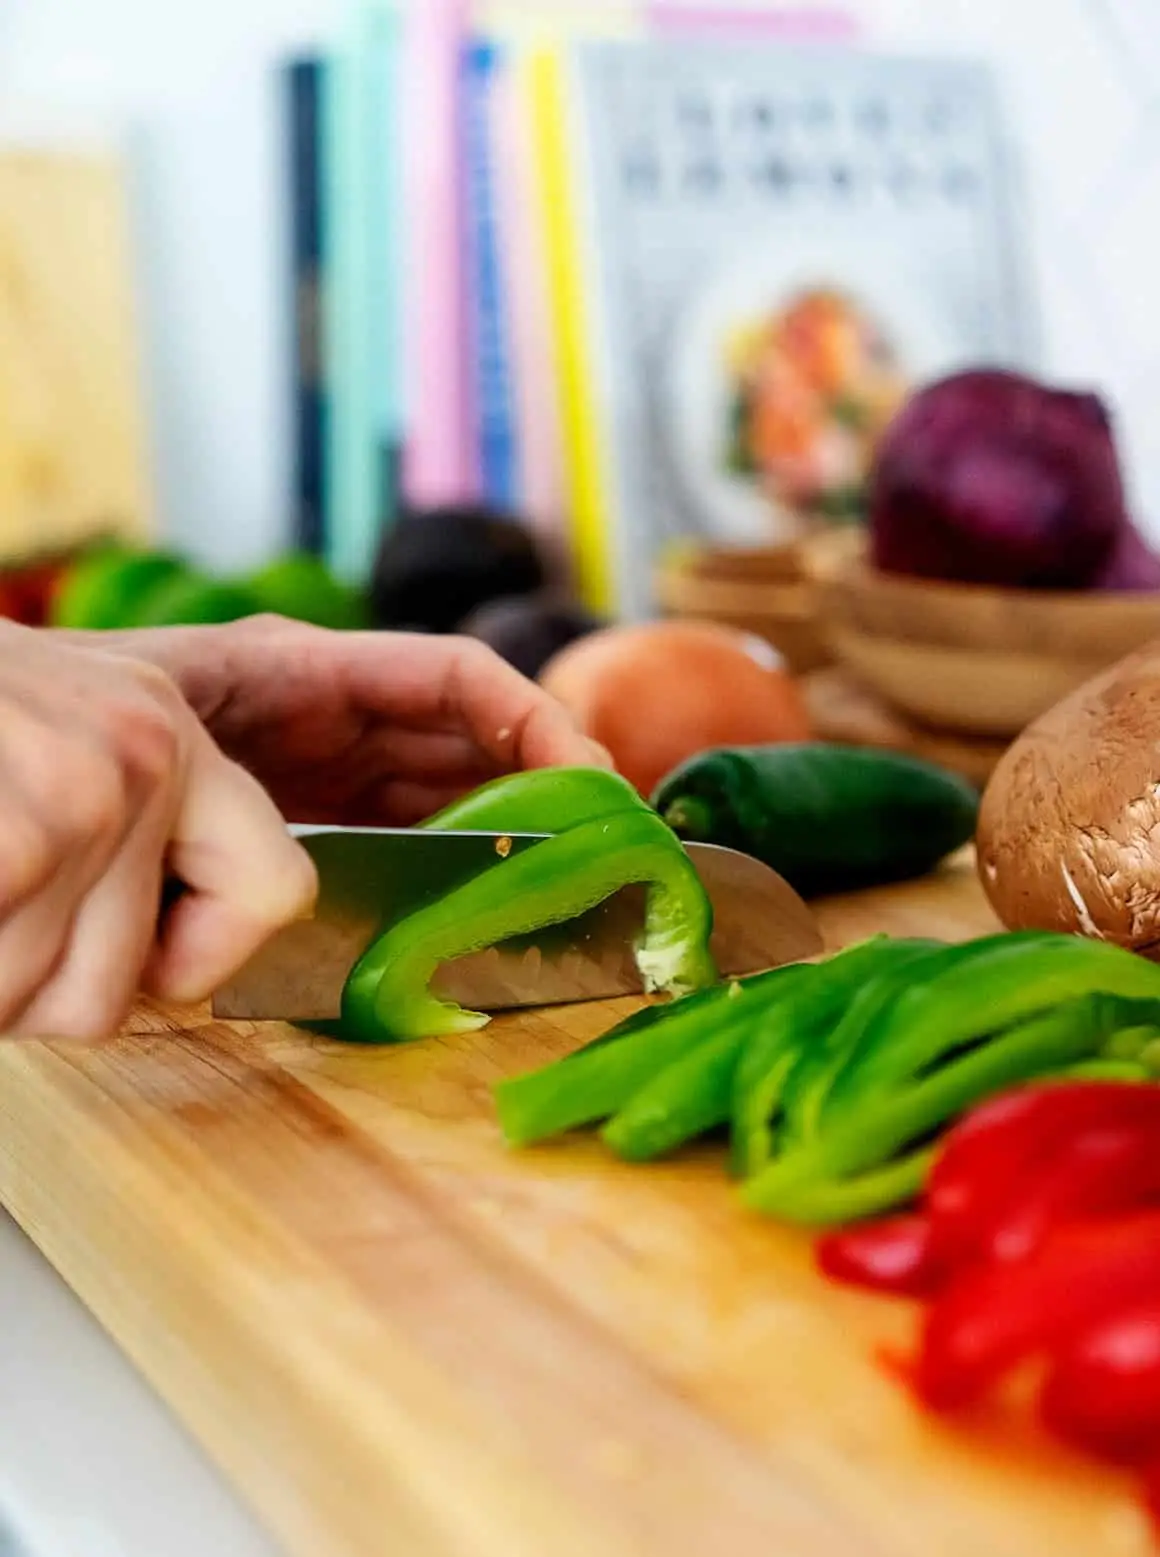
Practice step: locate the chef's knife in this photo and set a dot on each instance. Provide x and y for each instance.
(369, 877)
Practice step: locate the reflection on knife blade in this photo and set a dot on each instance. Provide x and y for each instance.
(371, 876)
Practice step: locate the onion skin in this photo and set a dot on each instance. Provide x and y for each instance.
(989, 477)
(659, 693)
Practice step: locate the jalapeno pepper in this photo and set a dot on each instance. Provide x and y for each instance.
(604, 840)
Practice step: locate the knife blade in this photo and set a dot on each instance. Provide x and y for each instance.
(370, 877)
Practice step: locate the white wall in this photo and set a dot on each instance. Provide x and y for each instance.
(193, 86)
(1082, 77)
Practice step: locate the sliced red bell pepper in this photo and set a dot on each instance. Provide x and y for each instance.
(895, 1256)
(1105, 1170)
(998, 1149)
(997, 1315)
(1102, 1392)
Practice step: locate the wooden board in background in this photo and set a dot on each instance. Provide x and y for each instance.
(72, 443)
(845, 711)
(398, 1338)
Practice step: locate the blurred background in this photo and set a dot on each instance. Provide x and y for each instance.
(290, 278)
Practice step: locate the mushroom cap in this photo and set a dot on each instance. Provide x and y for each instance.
(1069, 826)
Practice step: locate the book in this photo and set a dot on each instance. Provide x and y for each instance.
(488, 329)
(570, 302)
(440, 466)
(384, 45)
(302, 86)
(734, 227)
(362, 293)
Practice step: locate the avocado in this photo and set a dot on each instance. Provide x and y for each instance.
(527, 630)
(435, 566)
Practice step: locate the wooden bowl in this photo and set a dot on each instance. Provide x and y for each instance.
(770, 591)
(968, 658)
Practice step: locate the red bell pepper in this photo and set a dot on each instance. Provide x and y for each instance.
(895, 1255)
(1009, 1173)
(997, 1315)
(1102, 1392)
(1038, 1239)
(995, 1155)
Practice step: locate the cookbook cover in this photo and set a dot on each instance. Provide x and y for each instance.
(780, 242)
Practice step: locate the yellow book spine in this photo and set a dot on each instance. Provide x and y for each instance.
(583, 457)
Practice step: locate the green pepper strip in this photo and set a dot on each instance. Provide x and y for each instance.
(598, 1080)
(387, 999)
(793, 1029)
(985, 987)
(808, 1085)
(684, 1100)
(819, 1181)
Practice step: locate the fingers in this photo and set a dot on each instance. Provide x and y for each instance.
(245, 875)
(92, 985)
(460, 684)
(65, 812)
(105, 776)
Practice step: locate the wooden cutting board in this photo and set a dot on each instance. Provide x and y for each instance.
(397, 1337)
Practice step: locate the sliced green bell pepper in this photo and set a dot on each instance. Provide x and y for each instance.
(604, 838)
(877, 1153)
(599, 1080)
(544, 800)
(795, 1030)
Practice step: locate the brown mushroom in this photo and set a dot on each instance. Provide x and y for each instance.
(1069, 828)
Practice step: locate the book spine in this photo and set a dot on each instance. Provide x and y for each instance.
(488, 328)
(523, 277)
(564, 247)
(440, 464)
(303, 91)
(382, 131)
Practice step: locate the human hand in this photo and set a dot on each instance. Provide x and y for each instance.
(361, 727)
(107, 782)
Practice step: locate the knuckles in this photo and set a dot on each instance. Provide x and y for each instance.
(28, 856)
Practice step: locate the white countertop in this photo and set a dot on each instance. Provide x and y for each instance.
(92, 1464)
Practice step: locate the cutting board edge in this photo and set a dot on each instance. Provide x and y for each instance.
(205, 1392)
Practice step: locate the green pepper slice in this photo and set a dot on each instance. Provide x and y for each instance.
(387, 998)
(852, 1167)
(544, 800)
(795, 1029)
(600, 1079)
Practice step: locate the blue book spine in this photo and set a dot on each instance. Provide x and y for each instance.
(303, 89)
(491, 350)
(384, 56)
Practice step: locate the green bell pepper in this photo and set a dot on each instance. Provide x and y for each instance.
(794, 1030)
(602, 1078)
(877, 1154)
(604, 838)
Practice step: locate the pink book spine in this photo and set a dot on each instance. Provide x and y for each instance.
(439, 461)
